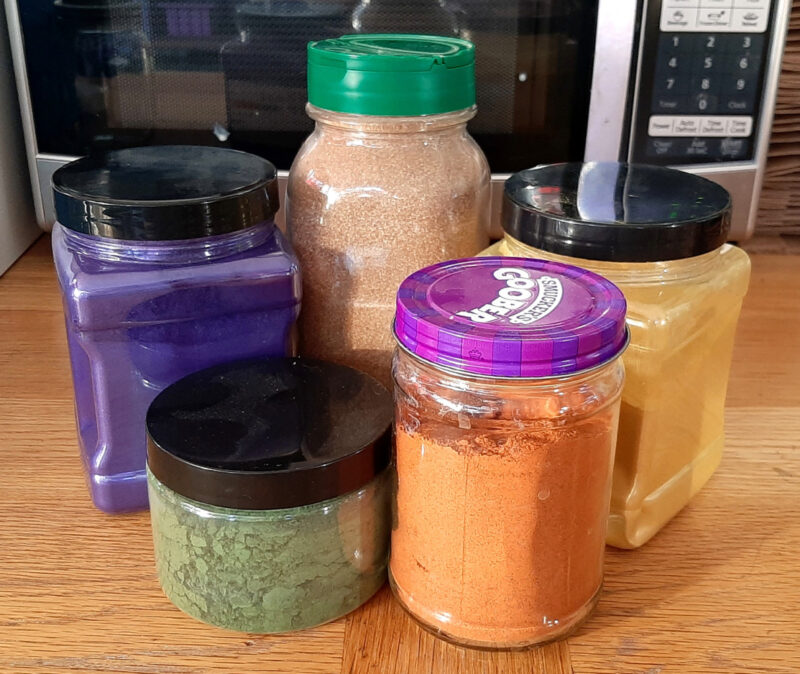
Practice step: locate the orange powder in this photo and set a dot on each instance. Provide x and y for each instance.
(500, 529)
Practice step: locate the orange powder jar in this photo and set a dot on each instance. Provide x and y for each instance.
(507, 389)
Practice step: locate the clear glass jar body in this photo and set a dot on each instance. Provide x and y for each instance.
(141, 315)
(501, 503)
(682, 317)
(268, 571)
(371, 200)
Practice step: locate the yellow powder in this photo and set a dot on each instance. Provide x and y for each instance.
(682, 316)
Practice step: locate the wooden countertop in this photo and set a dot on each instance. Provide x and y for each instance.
(718, 590)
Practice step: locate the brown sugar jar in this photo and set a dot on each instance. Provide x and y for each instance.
(507, 396)
(389, 181)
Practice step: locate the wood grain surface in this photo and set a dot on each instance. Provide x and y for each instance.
(717, 591)
(780, 196)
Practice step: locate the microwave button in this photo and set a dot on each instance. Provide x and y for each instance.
(700, 147)
(671, 63)
(709, 43)
(714, 17)
(734, 148)
(661, 125)
(717, 4)
(739, 85)
(703, 103)
(742, 44)
(707, 63)
(675, 43)
(678, 18)
(738, 104)
(670, 104)
(744, 64)
(665, 147)
(686, 126)
(751, 4)
(704, 84)
(751, 20)
(713, 126)
(740, 127)
(669, 85)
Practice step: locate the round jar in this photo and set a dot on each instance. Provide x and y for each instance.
(507, 385)
(389, 181)
(169, 262)
(269, 492)
(659, 234)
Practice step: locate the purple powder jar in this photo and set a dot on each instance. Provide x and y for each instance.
(169, 262)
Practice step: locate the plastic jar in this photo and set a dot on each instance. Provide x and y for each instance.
(507, 388)
(388, 182)
(269, 492)
(659, 234)
(169, 262)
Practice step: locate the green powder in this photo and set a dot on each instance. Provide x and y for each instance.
(271, 570)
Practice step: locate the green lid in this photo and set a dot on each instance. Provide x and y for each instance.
(391, 74)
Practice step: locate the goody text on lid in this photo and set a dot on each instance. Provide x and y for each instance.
(513, 301)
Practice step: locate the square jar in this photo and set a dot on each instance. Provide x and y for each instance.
(167, 265)
(659, 234)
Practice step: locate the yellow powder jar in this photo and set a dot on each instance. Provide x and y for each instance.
(682, 316)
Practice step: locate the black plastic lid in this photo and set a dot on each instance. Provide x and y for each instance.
(273, 433)
(165, 193)
(616, 212)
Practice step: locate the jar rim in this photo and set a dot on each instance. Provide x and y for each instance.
(165, 193)
(269, 433)
(509, 379)
(511, 317)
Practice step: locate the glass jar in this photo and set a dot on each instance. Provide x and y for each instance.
(169, 262)
(507, 389)
(389, 181)
(269, 492)
(659, 234)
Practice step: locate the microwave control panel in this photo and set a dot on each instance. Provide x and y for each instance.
(701, 81)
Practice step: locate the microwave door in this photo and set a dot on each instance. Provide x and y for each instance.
(105, 74)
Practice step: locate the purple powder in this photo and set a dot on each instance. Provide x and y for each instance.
(141, 315)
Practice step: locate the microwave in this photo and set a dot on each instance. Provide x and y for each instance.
(684, 83)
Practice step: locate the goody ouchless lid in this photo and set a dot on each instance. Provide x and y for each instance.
(616, 212)
(165, 193)
(391, 74)
(510, 317)
(269, 433)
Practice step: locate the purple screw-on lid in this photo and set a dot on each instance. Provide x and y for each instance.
(510, 317)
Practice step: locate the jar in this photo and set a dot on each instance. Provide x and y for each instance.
(388, 182)
(659, 234)
(507, 389)
(269, 492)
(169, 262)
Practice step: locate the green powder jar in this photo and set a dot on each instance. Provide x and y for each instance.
(269, 486)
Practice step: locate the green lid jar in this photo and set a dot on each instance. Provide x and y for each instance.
(390, 174)
(396, 75)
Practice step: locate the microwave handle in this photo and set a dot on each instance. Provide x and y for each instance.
(606, 135)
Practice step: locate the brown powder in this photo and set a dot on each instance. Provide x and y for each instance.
(500, 523)
(371, 200)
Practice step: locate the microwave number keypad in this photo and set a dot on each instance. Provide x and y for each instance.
(707, 75)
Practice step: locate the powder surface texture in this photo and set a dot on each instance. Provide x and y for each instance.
(682, 318)
(368, 204)
(501, 514)
(275, 570)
